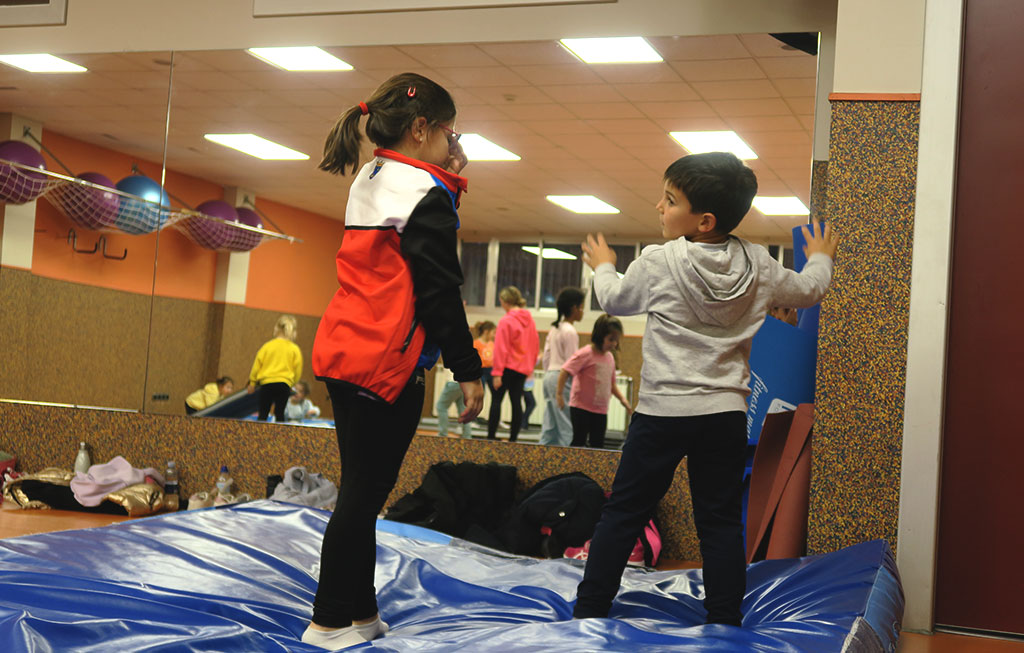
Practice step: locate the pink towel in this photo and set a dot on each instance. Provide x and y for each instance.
(92, 487)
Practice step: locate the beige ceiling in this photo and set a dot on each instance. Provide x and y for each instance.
(580, 129)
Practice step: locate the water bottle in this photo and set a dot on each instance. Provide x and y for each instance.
(171, 494)
(82, 460)
(224, 481)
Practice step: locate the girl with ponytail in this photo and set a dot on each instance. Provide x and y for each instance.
(398, 307)
(561, 343)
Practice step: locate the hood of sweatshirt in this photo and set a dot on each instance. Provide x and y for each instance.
(717, 282)
(522, 319)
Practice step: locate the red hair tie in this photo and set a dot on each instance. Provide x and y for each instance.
(365, 109)
(411, 92)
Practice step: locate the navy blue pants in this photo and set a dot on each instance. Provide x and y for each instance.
(715, 446)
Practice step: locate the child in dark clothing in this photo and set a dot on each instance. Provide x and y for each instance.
(705, 293)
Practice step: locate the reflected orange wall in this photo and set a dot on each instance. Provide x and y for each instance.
(295, 278)
(290, 278)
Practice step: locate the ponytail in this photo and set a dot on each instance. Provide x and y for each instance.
(341, 150)
(511, 295)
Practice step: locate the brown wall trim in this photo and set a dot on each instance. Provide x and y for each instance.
(875, 97)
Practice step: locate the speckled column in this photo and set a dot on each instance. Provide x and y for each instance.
(861, 370)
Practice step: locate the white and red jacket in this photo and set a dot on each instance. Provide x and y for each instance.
(399, 277)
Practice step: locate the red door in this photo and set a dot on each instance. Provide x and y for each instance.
(980, 575)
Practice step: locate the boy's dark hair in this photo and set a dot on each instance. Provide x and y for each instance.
(392, 109)
(717, 183)
(603, 326)
(568, 299)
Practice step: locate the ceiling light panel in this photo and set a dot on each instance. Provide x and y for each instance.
(623, 49)
(300, 59)
(478, 148)
(257, 146)
(41, 63)
(780, 205)
(587, 204)
(714, 141)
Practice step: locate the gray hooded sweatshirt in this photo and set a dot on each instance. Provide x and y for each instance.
(704, 303)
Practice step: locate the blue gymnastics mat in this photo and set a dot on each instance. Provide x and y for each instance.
(242, 578)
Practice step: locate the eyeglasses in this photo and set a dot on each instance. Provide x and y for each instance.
(453, 136)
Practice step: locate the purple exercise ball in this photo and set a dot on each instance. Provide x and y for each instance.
(210, 233)
(18, 185)
(242, 240)
(86, 206)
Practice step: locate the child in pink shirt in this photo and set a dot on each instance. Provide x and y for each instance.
(515, 355)
(593, 371)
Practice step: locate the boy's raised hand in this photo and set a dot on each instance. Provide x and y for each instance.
(820, 239)
(596, 251)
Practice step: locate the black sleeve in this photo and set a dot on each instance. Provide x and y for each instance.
(430, 245)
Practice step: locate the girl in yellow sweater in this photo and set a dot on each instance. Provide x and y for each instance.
(277, 367)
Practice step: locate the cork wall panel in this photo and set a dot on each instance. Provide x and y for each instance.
(43, 436)
(863, 331)
(180, 352)
(72, 343)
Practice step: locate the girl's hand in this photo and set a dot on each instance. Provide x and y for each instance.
(457, 159)
(561, 401)
(473, 393)
(820, 239)
(625, 404)
(596, 251)
(251, 388)
(496, 382)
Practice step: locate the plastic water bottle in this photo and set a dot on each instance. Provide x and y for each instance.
(171, 493)
(224, 481)
(82, 460)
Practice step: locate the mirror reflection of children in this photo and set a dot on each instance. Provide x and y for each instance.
(277, 367)
(561, 343)
(705, 293)
(783, 314)
(484, 344)
(592, 369)
(209, 394)
(516, 345)
(299, 406)
(451, 392)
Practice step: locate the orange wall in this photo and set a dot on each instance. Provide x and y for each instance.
(290, 278)
(295, 278)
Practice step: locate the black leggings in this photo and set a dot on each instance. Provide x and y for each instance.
(276, 394)
(586, 423)
(373, 437)
(511, 381)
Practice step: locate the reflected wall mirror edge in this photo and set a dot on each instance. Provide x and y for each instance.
(578, 128)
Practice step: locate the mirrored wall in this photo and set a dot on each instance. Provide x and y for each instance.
(182, 309)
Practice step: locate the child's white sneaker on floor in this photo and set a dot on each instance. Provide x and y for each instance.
(342, 638)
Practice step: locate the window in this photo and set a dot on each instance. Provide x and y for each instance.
(474, 271)
(625, 255)
(561, 267)
(517, 267)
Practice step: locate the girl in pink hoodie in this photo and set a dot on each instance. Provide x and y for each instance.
(515, 355)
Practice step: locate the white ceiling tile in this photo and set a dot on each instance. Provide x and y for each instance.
(454, 55)
(582, 93)
(735, 90)
(696, 48)
(761, 107)
(482, 76)
(636, 73)
(718, 70)
(577, 73)
(667, 92)
(766, 45)
(529, 53)
(804, 66)
(628, 127)
(604, 110)
(796, 87)
(763, 123)
(530, 112)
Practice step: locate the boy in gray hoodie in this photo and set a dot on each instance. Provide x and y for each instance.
(705, 293)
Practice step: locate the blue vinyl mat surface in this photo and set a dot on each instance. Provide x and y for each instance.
(242, 578)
